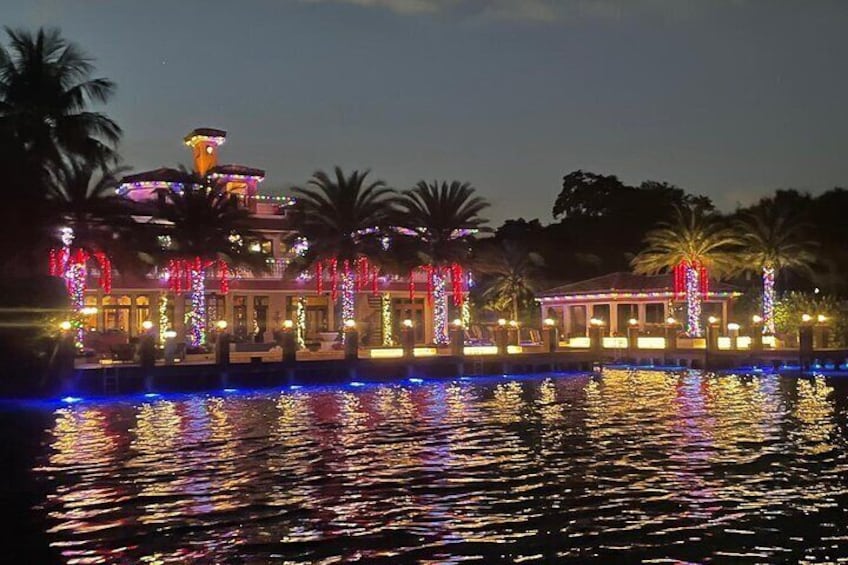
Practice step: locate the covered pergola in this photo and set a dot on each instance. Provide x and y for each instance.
(617, 298)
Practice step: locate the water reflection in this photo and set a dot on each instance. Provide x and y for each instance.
(631, 466)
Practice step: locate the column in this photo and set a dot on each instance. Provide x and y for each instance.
(724, 319)
(642, 315)
(612, 323)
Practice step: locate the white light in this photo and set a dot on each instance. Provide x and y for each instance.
(288, 324)
(407, 323)
(806, 317)
(733, 326)
(633, 322)
(501, 322)
(221, 324)
(350, 324)
(457, 323)
(596, 322)
(757, 319)
(65, 326)
(821, 318)
(513, 324)
(88, 311)
(147, 324)
(170, 334)
(550, 322)
(712, 320)
(671, 321)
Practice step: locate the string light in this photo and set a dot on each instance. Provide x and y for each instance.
(440, 308)
(386, 318)
(196, 316)
(466, 314)
(768, 300)
(348, 294)
(300, 316)
(164, 322)
(693, 300)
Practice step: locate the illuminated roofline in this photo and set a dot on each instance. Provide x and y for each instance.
(616, 295)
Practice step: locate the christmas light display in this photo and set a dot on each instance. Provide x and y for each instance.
(466, 314)
(195, 317)
(440, 308)
(386, 318)
(164, 322)
(300, 318)
(768, 300)
(693, 301)
(348, 294)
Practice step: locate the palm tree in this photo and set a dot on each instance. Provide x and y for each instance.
(442, 218)
(773, 240)
(510, 274)
(204, 227)
(342, 218)
(88, 218)
(46, 91)
(694, 245)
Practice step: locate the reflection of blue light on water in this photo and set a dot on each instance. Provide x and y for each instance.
(152, 395)
(230, 390)
(71, 399)
(295, 387)
(416, 381)
(356, 383)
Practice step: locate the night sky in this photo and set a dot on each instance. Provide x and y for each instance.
(731, 99)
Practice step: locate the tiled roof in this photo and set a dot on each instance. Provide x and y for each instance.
(163, 174)
(626, 282)
(236, 170)
(207, 132)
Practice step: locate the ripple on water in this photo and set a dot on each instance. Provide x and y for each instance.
(631, 465)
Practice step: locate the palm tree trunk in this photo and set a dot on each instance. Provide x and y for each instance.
(515, 307)
(196, 315)
(768, 299)
(76, 275)
(693, 302)
(348, 295)
(440, 309)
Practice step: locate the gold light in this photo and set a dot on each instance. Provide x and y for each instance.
(550, 322)
(457, 323)
(712, 320)
(733, 326)
(596, 322)
(806, 318)
(407, 323)
(671, 321)
(221, 324)
(147, 325)
(349, 324)
(288, 324)
(65, 326)
(501, 322)
(757, 319)
(821, 318)
(633, 322)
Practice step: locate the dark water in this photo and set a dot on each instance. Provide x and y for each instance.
(627, 467)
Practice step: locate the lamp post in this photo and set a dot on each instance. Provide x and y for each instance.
(821, 332)
(407, 338)
(712, 333)
(288, 341)
(351, 341)
(222, 344)
(501, 336)
(671, 326)
(596, 335)
(756, 333)
(632, 337)
(805, 342)
(457, 338)
(550, 335)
